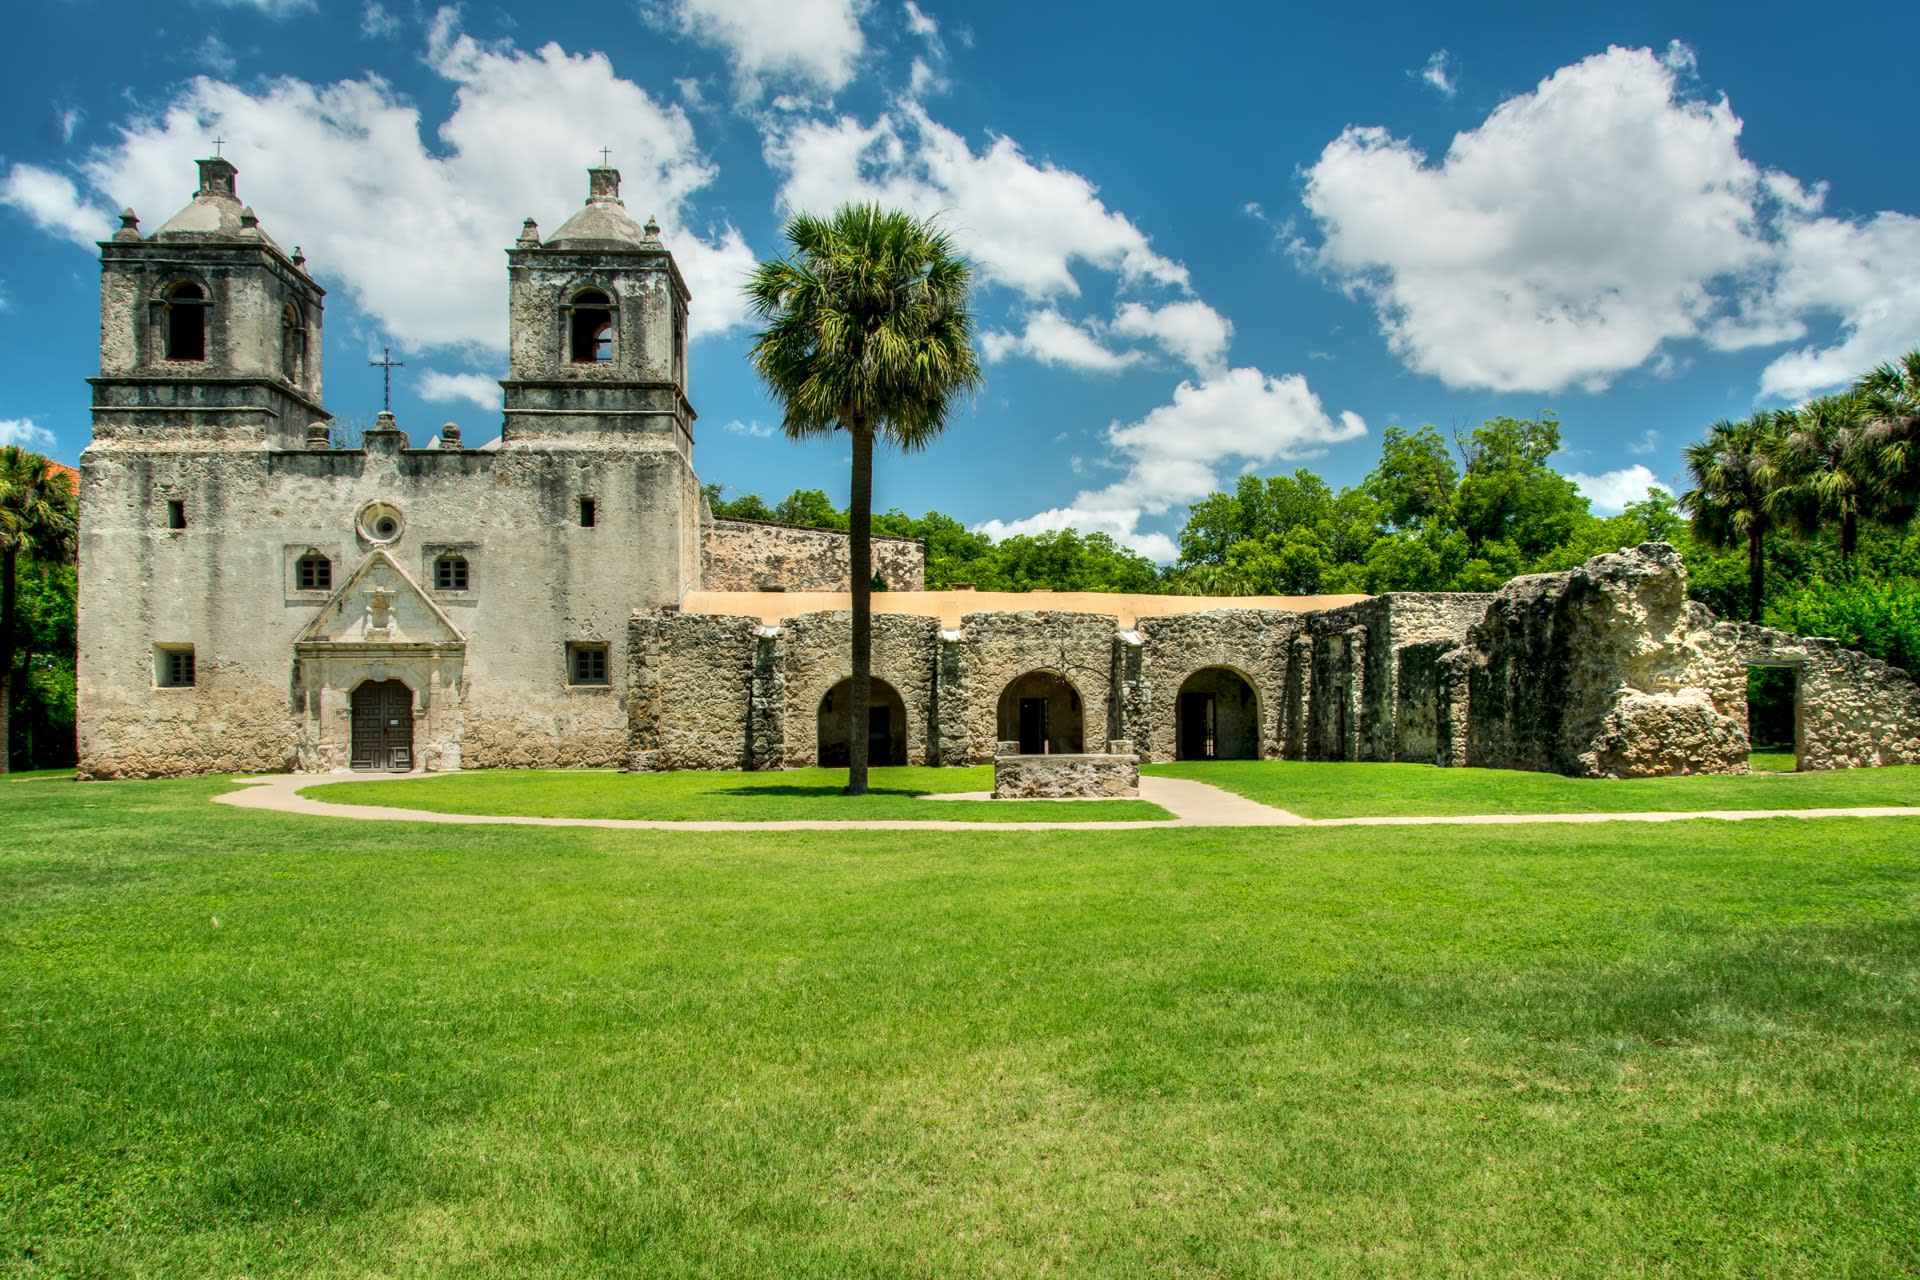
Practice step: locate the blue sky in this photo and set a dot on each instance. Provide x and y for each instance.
(1210, 240)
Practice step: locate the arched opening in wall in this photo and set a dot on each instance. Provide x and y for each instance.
(1216, 717)
(183, 322)
(1041, 711)
(886, 725)
(293, 344)
(382, 727)
(1773, 719)
(590, 328)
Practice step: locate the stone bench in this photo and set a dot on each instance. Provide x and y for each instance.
(1113, 774)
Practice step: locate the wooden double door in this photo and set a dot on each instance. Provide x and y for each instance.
(383, 727)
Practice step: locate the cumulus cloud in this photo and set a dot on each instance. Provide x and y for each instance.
(1051, 338)
(475, 388)
(1179, 452)
(1190, 331)
(1439, 73)
(1025, 225)
(816, 43)
(414, 227)
(1611, 491)
(23, 432)
(754, 430)
(1579, 228)
(376, 22)
(272, 8)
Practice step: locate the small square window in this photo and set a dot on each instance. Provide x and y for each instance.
(450, 573)
(589, 513)
(176, 513)
(313, 573)
(173, 666)
(586, 664)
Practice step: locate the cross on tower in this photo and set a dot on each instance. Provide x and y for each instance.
(217, 144)
(604, 153)
(386, 365)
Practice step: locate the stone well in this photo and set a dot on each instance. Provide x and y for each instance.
(1112, 774)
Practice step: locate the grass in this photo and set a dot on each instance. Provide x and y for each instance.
(789, 795)
(1773, 761)
(1316, 790)
(242, 1043)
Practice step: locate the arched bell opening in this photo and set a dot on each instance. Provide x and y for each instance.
(1041, 711)
(1216, 717)
(886, 725)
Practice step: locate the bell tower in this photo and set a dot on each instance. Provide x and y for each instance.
(598, 332)
(207, 326)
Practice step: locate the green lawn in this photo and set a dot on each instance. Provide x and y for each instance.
(785, 796)
(1318, 790)
(253, 1044)
(1773, 761)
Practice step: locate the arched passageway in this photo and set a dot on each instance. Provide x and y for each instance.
(1041, 711)
(1216, 717)
(886, 725)
(382, 727)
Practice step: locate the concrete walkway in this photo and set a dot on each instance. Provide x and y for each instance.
(1192, 804)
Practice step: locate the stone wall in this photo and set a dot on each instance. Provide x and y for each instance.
(1850, 711)
(1604, 671)
(751, 555)
(1065, 777)
(997, 649)
(692, 679)
(1251, 644)
(813, 654)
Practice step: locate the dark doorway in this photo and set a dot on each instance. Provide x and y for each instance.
(1773, 718)
(1041, 711)
(383, 727)
(1033, 726)
(886, 725)
(1216, 717)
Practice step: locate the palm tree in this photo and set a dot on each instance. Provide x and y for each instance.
(1735, 471)
(36, 519)
(1827, 470)
(867, 332)
(1892, 396)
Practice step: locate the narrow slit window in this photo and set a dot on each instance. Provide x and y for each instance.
(589, 513)
(591, 328)
(586, 664)
(184, 321)
(450, 573)
(173, 666)
(176, 513)
(293, 344)
(314, 572)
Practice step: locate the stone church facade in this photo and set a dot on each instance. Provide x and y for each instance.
(255, 597)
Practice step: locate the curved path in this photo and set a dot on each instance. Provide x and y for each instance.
(1192, 804)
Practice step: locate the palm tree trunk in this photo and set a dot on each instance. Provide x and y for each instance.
(1756, 574)
(860, 553)
(9, 563)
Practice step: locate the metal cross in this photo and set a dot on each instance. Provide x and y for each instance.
(386, 365)
(604, 153)
(217, 144)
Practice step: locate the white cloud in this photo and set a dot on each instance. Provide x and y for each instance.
(23, 432)
(213, 54)
(376, 23)
(272, 8)
(755, 430)
(1025, 225)
(1440, 74)
(1178, 453)
(1579, 228)
(920, 24)
(476, 388)
(1051, 338)
(1191, 331)
(1649, 441)
(1611, 491)
(69, 121)
(811, 42)
(414, 227)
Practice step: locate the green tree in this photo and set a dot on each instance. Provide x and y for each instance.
(1891, 394)
(37, 521)
(867, 331)
(1827, 470)
(748, 506)
(1735, 472)
(1415, 479)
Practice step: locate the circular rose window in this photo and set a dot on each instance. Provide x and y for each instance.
(382, 523)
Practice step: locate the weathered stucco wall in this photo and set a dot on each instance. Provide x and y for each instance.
(749, 555)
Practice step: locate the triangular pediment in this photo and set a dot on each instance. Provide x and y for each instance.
(381, 605)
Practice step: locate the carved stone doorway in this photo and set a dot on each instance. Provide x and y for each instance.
(383, 727)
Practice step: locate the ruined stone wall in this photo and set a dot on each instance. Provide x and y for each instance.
(1350, 674)
(1604, 671)
(750, 555)
(1851, 711)
(815, 659)
(996, 649)
(1252, 643)
(692, 684)
(1419, 693)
